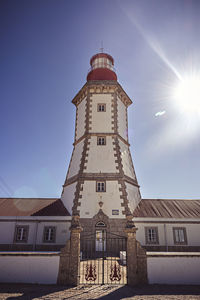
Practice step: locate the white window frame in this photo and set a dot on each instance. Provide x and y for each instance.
(151, 234)
(180, 236)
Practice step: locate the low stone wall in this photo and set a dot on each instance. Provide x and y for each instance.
(29, 267)
(173, 267)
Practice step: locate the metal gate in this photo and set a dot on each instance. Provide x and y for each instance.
(103, 259)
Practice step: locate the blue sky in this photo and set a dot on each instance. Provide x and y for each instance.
(44, 58)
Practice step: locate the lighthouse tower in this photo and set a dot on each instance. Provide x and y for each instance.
(101, 185)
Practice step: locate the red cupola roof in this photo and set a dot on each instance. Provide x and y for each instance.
(101, 67)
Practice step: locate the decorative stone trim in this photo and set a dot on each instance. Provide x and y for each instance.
(102, 86)
(117, 92)
(124, 194)
(80, 95)
(88, 113)
(114, 113)
(66, 179)
(100, 176)
(76, 124)
(80, 181)
(113, 225)
(89, 134)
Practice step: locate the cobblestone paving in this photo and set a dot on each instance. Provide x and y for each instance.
(49, 292)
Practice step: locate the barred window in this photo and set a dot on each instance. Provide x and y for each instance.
(101, 140)
(180, 236)
(101, 107)
(101, 186)
(151, 234)
(49, 234)
(21, 234)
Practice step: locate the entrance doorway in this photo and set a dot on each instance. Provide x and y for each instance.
(103, 258)
(101, 240)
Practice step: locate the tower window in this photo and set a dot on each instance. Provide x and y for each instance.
(101, 140)
(49, 235)
(180, 237)
(21, 234)
(151, 234)
(101, 186)
(101, 107)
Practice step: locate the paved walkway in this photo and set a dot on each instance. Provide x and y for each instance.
(49, 292)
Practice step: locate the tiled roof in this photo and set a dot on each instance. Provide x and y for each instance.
(167, 208)
(32, 207)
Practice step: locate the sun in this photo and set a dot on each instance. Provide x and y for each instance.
(186, 94)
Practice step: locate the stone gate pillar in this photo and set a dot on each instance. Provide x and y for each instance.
(136, 256)
(131, 254)
(70, 256)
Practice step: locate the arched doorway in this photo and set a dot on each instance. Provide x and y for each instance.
(100, 234)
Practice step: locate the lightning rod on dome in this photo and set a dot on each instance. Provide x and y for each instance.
(101, 49)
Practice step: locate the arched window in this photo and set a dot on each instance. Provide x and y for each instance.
(100, 224)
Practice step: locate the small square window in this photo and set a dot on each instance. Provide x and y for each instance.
(180, 237)
(151, 234)
(21, 234)
(101, 140)
(101, 107)
(49, 234)
(101, 186)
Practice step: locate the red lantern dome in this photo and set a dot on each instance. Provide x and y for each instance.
(101, 67)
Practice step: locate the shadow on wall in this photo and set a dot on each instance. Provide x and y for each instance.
(109, 292)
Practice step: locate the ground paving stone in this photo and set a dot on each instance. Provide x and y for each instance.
(104, 292)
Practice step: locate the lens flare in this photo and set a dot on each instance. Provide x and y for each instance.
(186, 95)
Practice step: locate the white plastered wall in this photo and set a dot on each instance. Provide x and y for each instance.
(181, 269)
(7, 230)
(101, 158)
(122, 117)
(29, 269)
(76, 159)
(80, 129)
(126, 160)
(101, 121)
(133, 195)
(90, 199)
(68, 196)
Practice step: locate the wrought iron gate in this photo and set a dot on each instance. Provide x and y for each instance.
(103, 259)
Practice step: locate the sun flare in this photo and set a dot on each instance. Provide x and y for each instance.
(186, 94)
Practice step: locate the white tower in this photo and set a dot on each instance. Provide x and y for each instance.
(101, 184)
